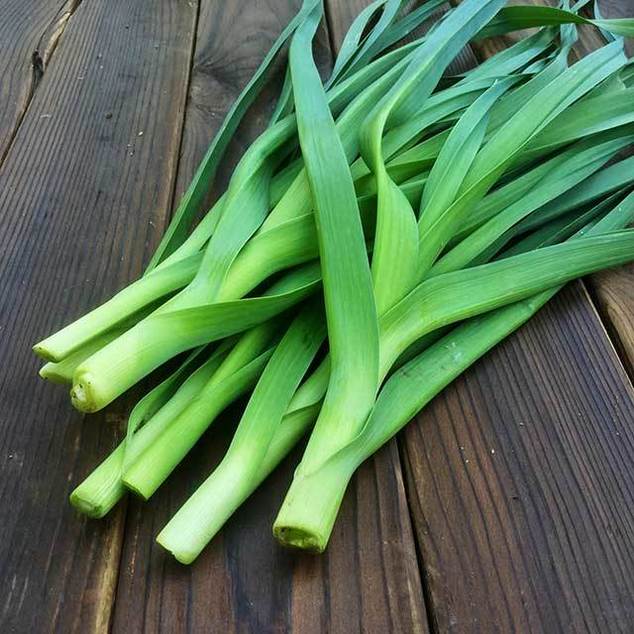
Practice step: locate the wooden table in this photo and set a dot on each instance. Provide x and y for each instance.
(508, 505)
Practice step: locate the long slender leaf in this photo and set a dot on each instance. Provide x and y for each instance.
(453, 296)
(587, 158)
(516, 18)
(202, 182)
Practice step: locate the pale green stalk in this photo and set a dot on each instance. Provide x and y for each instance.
(128, 301)
(149, 469)
(116, 367)
(62, 371)
(103, 488)
(157, 412)
(215, 500)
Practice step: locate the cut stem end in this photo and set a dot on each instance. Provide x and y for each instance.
(81, 395)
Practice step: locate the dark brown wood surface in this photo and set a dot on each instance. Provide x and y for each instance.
(520, 483)
(518, 479)
(29, 32)
(82, 199)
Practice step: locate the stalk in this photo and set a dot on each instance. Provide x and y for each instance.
(103, 488)
(166, 333)
(128, 301)
(149, 468)
(62, 371)
(158, 411)
(225, 489)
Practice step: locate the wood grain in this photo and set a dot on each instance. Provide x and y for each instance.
(613, 292)
(520, 480)
(29, 32)
(82, 195)
(243, 582)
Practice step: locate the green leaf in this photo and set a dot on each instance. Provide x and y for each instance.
(457, 156)
(604, 182)
(454, 296)
(408, 23)
(586, 158)
(349, 300)
(245, 208)
(520, 17)
(562, 228)
(510, 60)
(508, 141)
(588, 116)
(202, 182)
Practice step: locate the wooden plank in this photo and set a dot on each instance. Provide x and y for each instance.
(81, 197)
(613, 292)
(368, 580)
(29, 32)
(520, 483)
